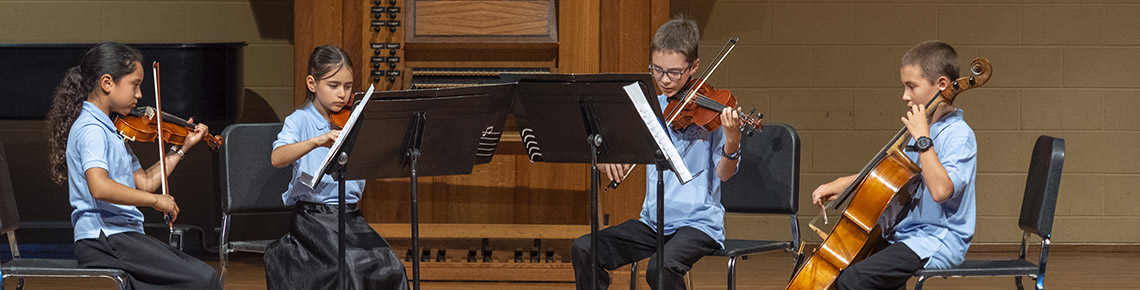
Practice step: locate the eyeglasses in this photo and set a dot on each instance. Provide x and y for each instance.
(674, 75)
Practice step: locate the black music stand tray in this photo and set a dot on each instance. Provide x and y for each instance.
(589, 118)
(419, 133)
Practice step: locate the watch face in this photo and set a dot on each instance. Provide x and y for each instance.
(922, 143)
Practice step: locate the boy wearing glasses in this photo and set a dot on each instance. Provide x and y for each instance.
(694, 217)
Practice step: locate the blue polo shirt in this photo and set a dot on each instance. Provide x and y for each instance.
(942, 231)
(695, 204)
(304, 124)
(94, 143)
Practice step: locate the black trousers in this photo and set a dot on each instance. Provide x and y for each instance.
(306, 257)
(889, 268)
(633, 241)
(149, 263)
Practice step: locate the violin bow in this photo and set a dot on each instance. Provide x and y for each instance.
(161, 145)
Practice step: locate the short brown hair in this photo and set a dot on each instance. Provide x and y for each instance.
(679, 35)
(934, 58)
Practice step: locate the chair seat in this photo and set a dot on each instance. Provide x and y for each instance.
(984, 268)
(257, 246)
(735, 248)
(54, 268)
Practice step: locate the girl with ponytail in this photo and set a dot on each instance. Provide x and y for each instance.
(306, 257)
(106, 183)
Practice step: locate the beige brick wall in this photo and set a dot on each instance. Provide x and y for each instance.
(266, 25)
(1062, 68)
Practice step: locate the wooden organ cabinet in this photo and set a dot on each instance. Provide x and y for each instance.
(510, 219)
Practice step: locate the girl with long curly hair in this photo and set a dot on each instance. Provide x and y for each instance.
(105, 181)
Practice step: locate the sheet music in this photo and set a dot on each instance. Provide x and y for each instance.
(310, 180)
(650, 119)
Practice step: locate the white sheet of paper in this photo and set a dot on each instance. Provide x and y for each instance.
(650, 119)
(310, 180)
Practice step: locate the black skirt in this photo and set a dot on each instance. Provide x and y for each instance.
(148, 262)
(306, 257)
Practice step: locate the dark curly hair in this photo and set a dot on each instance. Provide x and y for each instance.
(107, 58)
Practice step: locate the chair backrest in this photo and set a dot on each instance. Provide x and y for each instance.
(250, 183)
(768, 179)
(1041, 186)
(9, 215)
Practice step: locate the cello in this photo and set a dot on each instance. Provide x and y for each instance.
(878, 196)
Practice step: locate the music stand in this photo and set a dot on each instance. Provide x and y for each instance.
(420, 133)
(590, 119)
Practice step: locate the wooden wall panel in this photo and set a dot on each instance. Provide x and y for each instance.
(320, 22)
(482, 21)
(625, 31)
(578, 39)
(484, 18)
(509, 190)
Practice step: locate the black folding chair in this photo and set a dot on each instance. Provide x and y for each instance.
(1037, 209)
(767, 182)
(20, 267)
(250, 183)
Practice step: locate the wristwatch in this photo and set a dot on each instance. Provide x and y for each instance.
(733, 156)
(177, 150)
(923, 143)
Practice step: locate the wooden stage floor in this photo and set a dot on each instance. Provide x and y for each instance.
(1071, 269)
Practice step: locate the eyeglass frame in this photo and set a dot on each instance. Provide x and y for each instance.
(657, 72)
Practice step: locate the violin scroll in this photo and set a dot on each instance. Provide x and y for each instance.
(752, 122)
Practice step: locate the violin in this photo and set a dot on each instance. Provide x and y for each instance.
(339, 119)
(140, 125)
(878, 199)
(703, 104)
(706, 107)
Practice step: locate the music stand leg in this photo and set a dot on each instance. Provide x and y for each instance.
(661, 165)
(595, 141)
(341, 220)
(415, 156)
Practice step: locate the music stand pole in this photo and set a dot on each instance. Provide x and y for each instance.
(595, 140)
(341, 220)
(661, 165)
(414, 155)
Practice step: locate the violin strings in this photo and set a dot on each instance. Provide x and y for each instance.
(714, 105)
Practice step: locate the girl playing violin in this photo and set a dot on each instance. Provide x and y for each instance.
(694, 224)
(106, 183)
(306, 257)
